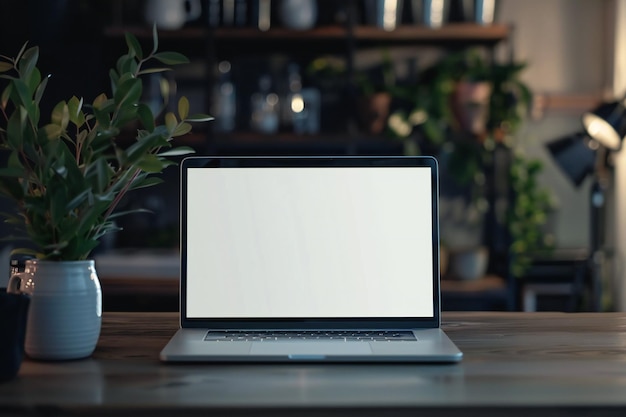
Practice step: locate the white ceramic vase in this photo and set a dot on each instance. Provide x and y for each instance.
(172, 14)
(65, 310)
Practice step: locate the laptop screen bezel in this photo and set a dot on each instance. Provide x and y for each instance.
(308, 162)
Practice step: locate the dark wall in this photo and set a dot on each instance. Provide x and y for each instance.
(69, 36)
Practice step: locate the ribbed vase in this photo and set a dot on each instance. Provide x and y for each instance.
(65, 311)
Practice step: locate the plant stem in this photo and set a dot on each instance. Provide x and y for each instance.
(118, 198)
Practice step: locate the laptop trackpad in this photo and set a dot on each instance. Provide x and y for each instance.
(310, 348)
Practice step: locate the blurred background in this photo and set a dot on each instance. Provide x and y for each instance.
(532, 199)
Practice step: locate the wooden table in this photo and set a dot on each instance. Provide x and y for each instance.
(515, 364)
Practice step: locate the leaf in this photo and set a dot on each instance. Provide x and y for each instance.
(33, 81)
(146, 182)
(153, 71)
(61, 115)
(15, 131)
(114, 80)
(40, 90)
(144, 145)
(90, 217)
(78, 200)
(134, 46)
(75, 106)
(170, 122)
(171, 58)
(57, 205)
(155, 38)
(125, 114)
(123, 63)
(103, 174)
(24, 95)
(181, 129)
(4, 99)
(99, 101)
(24, 251)
(11, 172)
(178, 151)
(151, 163)
(146, 116)
(103, 119)
(53, 131)
(183, 108)
(28, 61)
(199, 118)
(128, 92)
(19, 54)
(5, 66)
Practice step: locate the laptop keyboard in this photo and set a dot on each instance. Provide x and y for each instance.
(285, 336)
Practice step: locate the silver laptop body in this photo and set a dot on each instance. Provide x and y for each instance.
(309, 259)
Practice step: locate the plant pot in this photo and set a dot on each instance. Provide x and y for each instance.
(13, 314)
(471, 106)
(373, 112)
(65, 311)
(469, 264)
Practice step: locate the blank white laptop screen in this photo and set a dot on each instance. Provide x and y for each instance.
(333, 242)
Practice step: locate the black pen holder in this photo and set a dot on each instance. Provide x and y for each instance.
(13, 316)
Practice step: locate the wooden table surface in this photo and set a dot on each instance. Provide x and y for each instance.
(514, 364)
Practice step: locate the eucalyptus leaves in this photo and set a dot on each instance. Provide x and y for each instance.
(67, 176)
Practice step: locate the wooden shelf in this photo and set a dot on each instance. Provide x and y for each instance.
(570, 104)
(488, 283)
(457, 32)
(145, 32)
(416, 34)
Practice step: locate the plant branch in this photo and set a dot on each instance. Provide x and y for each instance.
(117, 199)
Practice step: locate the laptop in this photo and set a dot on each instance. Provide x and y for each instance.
(309, 259)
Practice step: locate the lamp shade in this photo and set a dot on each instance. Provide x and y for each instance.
(574, 156)
(607, 124)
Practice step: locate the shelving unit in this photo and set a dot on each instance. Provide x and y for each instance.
(212, 45)
(456, 33)
(342, 40)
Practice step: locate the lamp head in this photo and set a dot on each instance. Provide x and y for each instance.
(575, 155)
(607, 124)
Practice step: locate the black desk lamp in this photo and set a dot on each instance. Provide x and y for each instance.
(588, 153)
(607, 124)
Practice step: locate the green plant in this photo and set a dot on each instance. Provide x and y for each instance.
(510, 100)
(429, 104)
(68, 175)
(527, 214)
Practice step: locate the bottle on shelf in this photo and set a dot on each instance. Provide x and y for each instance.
(301, 109)
(265, 110)
(226, 13)
(224, 99)
(261, 14)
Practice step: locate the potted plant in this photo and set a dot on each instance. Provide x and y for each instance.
(465, 107)
(66, 176)
(527, 214)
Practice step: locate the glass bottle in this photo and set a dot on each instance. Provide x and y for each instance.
(264, 103)
(225, 99)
